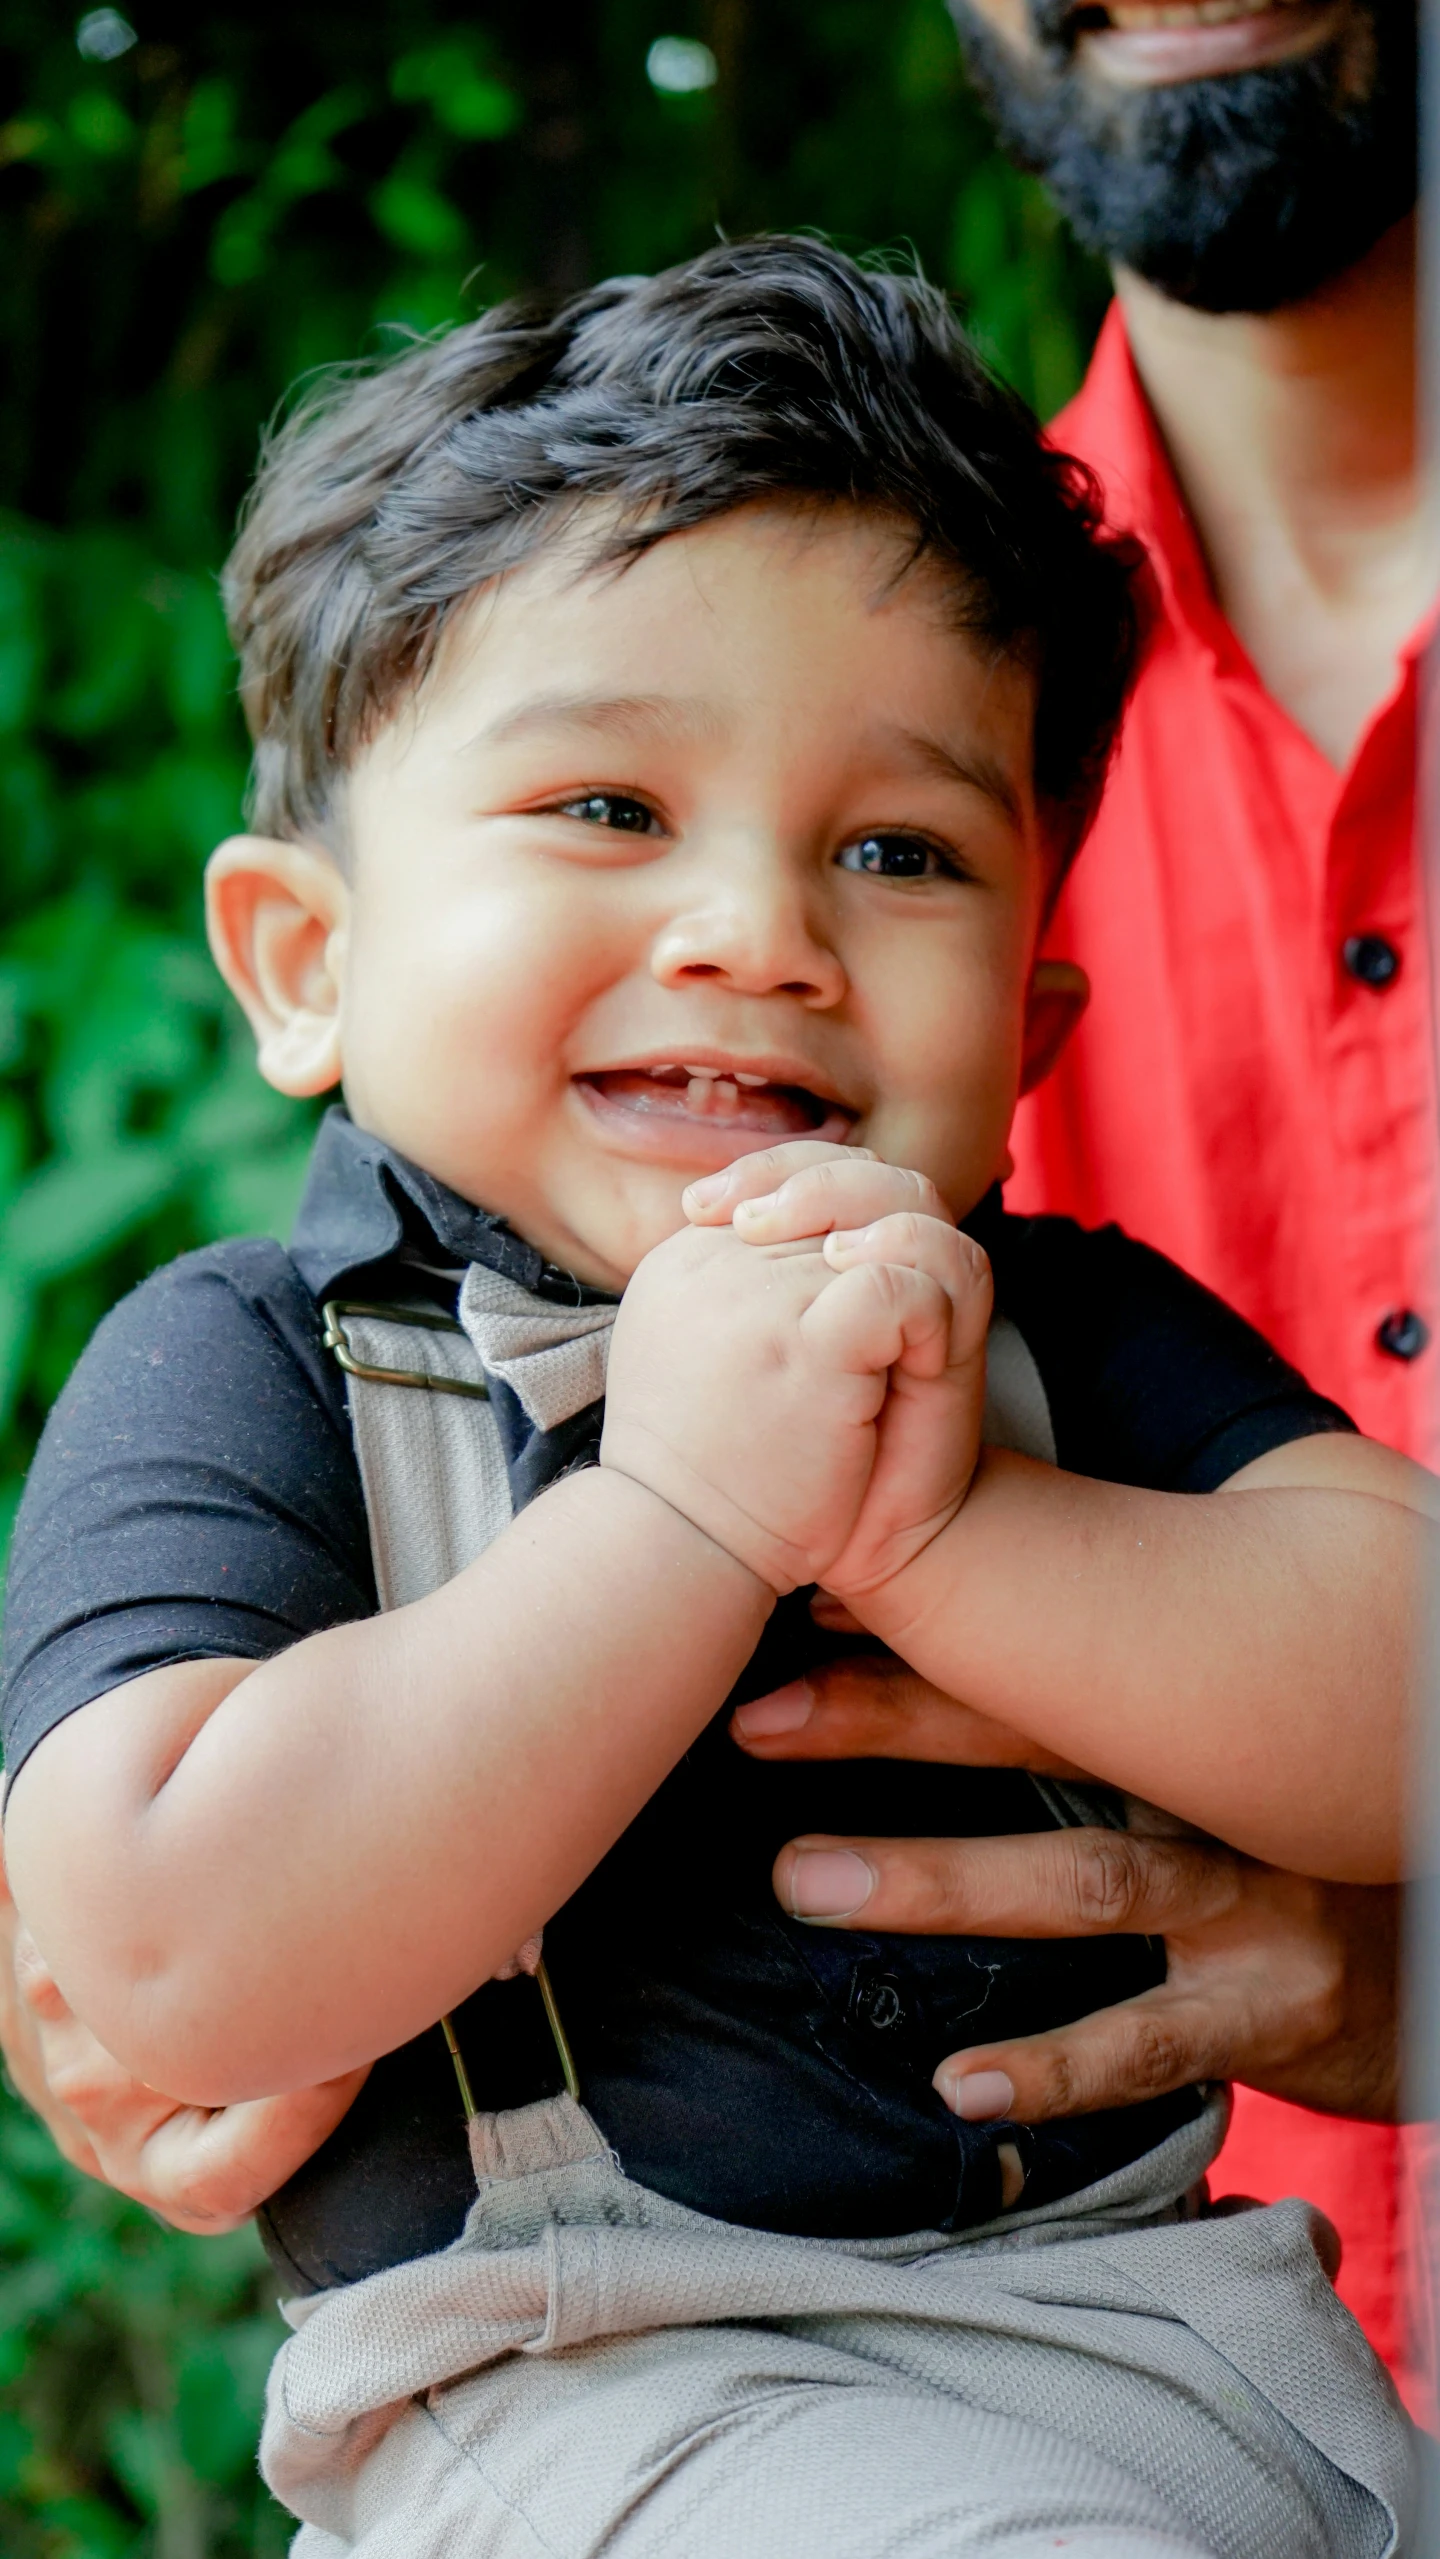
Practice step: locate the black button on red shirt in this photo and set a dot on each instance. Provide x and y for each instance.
(1403, 1334)
(1370, 959)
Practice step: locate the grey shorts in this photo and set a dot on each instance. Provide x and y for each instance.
(591, 2369)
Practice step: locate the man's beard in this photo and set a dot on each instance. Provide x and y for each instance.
(1238, 193)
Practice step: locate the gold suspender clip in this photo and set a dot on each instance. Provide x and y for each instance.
(336, 1309)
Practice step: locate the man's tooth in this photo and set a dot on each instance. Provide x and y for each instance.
(752, 1083)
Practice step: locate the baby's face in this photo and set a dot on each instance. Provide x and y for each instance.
(661, 867)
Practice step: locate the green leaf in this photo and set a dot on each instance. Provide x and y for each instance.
(467, 99)
(70, 1212)
(199, 663)
(220, 2395)
(22, 641)
(100, 124)
(416, 217)
(210, 147)
(256, 1194)
(479, 110)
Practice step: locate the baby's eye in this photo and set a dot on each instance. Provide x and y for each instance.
(612, 808)
(896, 857)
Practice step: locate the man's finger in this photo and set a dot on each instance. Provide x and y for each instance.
(871, 1706)
(1062, 1883)
(1146, 2047)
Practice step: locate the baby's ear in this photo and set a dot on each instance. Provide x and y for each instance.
(277, 916)
(1059, 993)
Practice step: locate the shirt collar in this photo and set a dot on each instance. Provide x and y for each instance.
(363, 1202)
(1112, 426)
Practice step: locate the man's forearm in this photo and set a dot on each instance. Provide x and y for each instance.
(309, 1871)
(1206, 1652)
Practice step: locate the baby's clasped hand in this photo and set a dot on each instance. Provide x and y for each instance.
(801, 1371)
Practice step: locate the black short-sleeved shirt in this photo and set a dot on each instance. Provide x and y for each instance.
(196, 1494)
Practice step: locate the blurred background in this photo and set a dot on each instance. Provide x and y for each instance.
(196, 207)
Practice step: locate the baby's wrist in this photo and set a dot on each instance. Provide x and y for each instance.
(635, 1456)
(888, 1599)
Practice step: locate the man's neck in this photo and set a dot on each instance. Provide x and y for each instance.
(1293, 437)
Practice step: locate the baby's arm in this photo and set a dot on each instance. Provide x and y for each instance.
(250, 1878)
(247, 1879)
(1247, 1658)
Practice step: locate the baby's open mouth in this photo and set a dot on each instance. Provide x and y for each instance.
(730, 1103)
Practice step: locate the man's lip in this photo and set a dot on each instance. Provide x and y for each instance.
(1139, 46)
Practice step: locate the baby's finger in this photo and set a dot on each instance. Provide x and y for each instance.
(846, 1190)
(713, 1200)
(922, 1243)
(878, 1316)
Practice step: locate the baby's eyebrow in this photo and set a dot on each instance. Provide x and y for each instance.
(971, 766)
(633, 714)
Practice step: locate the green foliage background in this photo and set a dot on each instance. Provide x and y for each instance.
(239, 195)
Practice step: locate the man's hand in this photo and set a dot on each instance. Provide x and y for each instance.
(772, 1378)
(1286, 1984)
(203, 2170)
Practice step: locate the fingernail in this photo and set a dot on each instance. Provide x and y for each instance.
(757, 1207)
(977, 2096)
(705, 1192)
(783, 1711)
(829, 1883)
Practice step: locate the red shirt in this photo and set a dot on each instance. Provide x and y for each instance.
(1253, 1088)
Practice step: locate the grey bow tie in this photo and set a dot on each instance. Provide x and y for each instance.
(552, 1357)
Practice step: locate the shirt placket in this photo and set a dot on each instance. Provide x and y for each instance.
(1379, 1067)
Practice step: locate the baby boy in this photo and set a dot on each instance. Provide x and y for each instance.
(674, 713)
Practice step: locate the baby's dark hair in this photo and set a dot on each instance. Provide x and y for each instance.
(763, 369)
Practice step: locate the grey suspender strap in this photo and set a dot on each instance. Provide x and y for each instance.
(432, 1469)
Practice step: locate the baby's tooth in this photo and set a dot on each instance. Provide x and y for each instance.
(727, 1095)
(751, 1082)
(699, 1091)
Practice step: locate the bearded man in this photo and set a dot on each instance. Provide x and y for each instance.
(1253, 1088)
